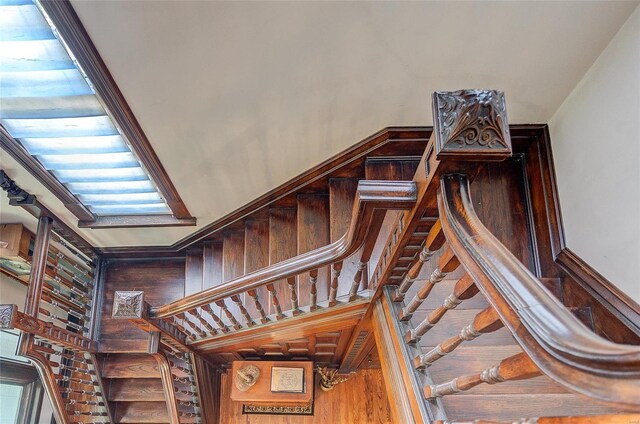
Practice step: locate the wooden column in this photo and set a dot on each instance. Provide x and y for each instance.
(38, 266)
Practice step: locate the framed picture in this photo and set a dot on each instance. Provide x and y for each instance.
(287, 380)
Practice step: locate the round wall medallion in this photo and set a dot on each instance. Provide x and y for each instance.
(247, 377)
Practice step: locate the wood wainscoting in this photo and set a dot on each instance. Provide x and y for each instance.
(360, 400)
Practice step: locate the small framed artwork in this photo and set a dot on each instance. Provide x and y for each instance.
(287, 380)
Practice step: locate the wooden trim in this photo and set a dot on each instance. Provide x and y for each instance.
(44, 177)
(11, 318)
(208, 379)
(625, 308)
(29, 202)
(376, 144)
(403, 388)
(345, 315)
(166, 377)
(49, 383)
(76, 37)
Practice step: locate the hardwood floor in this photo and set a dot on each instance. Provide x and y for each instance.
(361, 400)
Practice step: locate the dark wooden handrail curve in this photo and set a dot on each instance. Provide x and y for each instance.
(561, 346)
(373, 199)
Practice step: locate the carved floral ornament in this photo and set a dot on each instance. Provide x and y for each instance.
(6, 316)
(128, 304)
(471, 122)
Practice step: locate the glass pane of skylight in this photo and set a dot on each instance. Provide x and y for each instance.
(60, 127)
(75, 145)
(154, 208)
(128, 198)
(36, 55)
(112, 187)
(100, 174)
(91, 161)
(50, 108)
(65, 82)
(20, 20)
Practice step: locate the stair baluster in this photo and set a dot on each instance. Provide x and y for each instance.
(253, 294)
(234, 322)
(516, 367)
(464, 289)
(486, 321)
(448, 262)
(275, 302)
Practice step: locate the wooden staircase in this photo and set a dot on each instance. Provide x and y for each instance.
(134, 388)
(506, 401)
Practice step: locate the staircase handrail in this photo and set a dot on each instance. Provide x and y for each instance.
(560, 345)
(373, 199)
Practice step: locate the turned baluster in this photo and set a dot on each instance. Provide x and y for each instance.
(291, 282)
(335, 275)
(70, 309)
(313, 290)
(243, 311)
(516, 367)
(83, 402)
(192, 325)
(434, 241)
(234, 322)
(76, 380)
(68, 390)
(184, 370)
(173, 321)
(216, 318)
(486, 321)
(253, 294)
(184, 392)
(357, 278)
(76, 369)
(188, 403)
(194, 313)
(464, 289)
(448, 262)
(62, 320)
(274, 301)
(90, 414)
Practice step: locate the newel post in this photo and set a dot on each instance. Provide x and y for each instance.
(471, 125)
(130, 305)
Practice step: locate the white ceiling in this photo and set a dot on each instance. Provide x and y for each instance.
(237, 97)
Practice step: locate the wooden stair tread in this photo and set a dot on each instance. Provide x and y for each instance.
(141, 412)
(129, 366)
(135, 389)
(512, 407)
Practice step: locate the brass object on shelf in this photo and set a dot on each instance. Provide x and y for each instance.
(246, 377)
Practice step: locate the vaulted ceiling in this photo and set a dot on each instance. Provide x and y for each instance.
(239, 97)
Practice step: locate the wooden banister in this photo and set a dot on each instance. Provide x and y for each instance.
(373, 199)
(557, 342)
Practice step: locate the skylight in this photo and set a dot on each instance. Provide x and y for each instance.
(50, 107)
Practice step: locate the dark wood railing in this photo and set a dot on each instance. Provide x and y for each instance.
(558, 343)
(221, 310)
(554, 342)
(56, 323)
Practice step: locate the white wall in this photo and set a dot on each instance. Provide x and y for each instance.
(595, 136)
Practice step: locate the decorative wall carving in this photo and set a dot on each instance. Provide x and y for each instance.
(128, 304)
(471, 125)
(6, 316)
